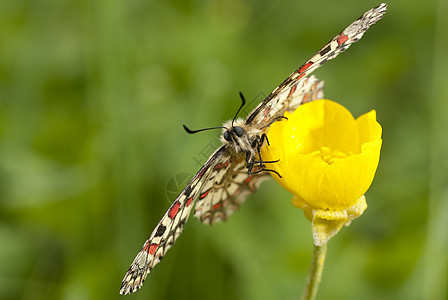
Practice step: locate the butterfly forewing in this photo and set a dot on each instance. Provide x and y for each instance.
(225, 180)
(337, 45)
(169, 227)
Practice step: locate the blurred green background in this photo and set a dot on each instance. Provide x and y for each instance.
(93, 95)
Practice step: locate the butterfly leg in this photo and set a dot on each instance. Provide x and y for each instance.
(264, 137)
(260, 165)
(258, 142)
(263, 169)
(274, 120)
(250, 162)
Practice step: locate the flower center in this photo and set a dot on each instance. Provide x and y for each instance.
(328, 155)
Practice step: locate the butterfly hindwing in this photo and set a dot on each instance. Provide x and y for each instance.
(302, 91)
(227, 187)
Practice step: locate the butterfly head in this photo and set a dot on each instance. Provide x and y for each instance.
(236, 131)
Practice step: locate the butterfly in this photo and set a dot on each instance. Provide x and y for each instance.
(235, 169)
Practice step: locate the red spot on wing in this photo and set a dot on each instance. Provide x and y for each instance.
(203, 171)
(342, 39)
(174, 210)
(204, 194)
(189, 201)
(305, 98)
(293, 89)
(151, 248)
(217, 205)
(301, 75)
(305, 67)
(267, 111)
(221, 165)
(247, 179)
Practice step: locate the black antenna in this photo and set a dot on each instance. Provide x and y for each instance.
(242, 104)
(188, 130)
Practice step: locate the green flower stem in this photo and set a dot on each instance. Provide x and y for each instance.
(317, 265)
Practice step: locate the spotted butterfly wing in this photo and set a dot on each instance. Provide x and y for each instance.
(170, 226)
(282, 98)
(225, 180)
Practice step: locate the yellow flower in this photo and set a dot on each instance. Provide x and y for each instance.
(327, 159)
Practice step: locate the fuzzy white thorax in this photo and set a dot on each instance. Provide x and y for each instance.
(243, 143)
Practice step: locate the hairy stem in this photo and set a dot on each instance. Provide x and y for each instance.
(317, 265)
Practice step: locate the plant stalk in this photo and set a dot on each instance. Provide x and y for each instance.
(315, 274)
